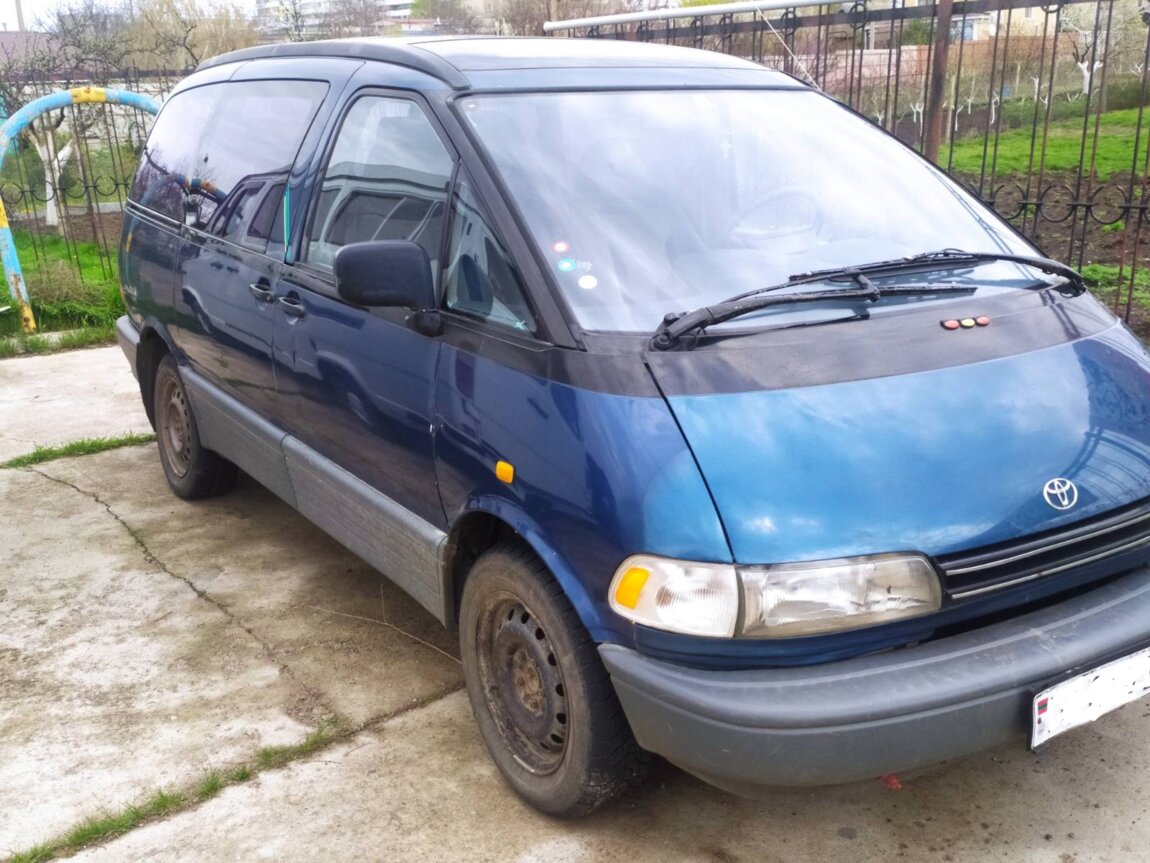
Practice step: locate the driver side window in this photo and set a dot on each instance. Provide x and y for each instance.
(386, 179)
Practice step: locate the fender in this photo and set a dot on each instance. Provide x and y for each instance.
(511, 514)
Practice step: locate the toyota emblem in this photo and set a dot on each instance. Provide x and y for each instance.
(1060, 493)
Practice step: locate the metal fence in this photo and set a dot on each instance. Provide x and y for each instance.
(67, 218)
(1038, 108)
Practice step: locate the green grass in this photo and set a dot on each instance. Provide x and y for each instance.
(276, 756)
(1115, 152)
(70, 285)
(108, 825)
(1103, 279)
(87, 446)
(85, 337)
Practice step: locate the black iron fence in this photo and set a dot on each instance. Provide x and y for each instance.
(1039, 108)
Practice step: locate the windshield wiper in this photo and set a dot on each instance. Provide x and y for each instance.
(930, 260)
(676, 325)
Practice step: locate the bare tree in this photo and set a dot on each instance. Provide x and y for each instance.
(353, 17)
(293, 19)
(450, 16)
(181, 33)
(84, 43)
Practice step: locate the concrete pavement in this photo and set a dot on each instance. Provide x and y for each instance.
(56, 398)
(145, 640)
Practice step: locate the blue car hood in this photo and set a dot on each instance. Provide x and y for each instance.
(937, 461)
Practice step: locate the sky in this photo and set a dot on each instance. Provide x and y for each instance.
(34, 9)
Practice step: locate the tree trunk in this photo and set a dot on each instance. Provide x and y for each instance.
(55, 209)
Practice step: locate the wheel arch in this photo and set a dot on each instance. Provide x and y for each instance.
(153, 347)
(488, 522)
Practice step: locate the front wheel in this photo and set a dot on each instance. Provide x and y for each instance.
(543, 700)
(192, 471)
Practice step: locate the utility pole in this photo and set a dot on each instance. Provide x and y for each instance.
(19, 15)
(934, 99)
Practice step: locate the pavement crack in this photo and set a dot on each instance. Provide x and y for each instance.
(232, 617)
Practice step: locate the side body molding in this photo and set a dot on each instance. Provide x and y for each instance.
(394, 540)
(240, 434)
(405, 548)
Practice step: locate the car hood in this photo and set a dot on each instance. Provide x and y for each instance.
(937, 461)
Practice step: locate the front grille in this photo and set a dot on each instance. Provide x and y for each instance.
(1117, 533)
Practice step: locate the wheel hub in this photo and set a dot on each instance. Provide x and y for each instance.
(523, 686)
(175, 426)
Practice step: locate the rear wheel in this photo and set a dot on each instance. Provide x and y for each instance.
(192, 471)
(544, 703)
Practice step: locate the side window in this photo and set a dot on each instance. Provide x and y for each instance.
(223, 152)
(480, 278)
(170, 157)
(386, 179)
(247, 153)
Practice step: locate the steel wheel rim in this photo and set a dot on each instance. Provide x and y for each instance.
(522, 684)
(175, 421)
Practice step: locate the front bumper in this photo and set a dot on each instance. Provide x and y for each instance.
(879, 714)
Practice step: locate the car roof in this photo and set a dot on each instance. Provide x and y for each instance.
(462, 61)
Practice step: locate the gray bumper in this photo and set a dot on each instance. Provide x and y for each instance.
(886, 713)
(129, 339)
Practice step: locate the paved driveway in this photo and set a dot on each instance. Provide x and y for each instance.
(147, 643)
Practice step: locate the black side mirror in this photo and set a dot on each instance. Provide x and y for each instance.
(385, 273)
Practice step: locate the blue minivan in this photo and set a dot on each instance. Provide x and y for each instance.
(719, 424)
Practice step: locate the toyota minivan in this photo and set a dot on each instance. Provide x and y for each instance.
(719, 423)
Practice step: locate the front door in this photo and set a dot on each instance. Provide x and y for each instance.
(357, 385)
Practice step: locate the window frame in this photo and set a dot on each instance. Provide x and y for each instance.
(321, 276)
(201, 233)
(462, 175)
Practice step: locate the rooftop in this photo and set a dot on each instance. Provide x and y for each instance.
(450, 58)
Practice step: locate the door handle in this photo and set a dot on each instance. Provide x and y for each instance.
(262, 293)
(292, 306)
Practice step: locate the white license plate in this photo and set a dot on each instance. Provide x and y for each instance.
(1087, 696)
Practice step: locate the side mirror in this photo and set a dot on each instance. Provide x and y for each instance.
(385, 273)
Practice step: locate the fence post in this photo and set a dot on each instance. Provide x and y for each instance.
(934, 109)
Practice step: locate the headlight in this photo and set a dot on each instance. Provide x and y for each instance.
(825, 596)
(677, 595)
(781, 601)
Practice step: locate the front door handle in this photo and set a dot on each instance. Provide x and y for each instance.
(292, 306)
(262, 293)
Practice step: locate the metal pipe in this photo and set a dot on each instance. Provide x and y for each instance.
(686, 12)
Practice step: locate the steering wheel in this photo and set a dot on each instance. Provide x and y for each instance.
(781, 212)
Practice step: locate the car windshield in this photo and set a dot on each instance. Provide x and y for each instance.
(657, 201)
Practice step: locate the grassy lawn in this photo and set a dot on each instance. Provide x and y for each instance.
(1115, 152)
(71, 286)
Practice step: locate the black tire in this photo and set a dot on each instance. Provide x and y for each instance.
(543, 700)
(192, 471)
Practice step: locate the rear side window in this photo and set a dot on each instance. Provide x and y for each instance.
(223, 152)
(386, 179)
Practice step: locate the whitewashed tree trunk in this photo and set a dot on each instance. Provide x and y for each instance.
(53, 159)
(1087, 73)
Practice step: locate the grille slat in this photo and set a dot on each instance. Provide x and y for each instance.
(997, 567)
